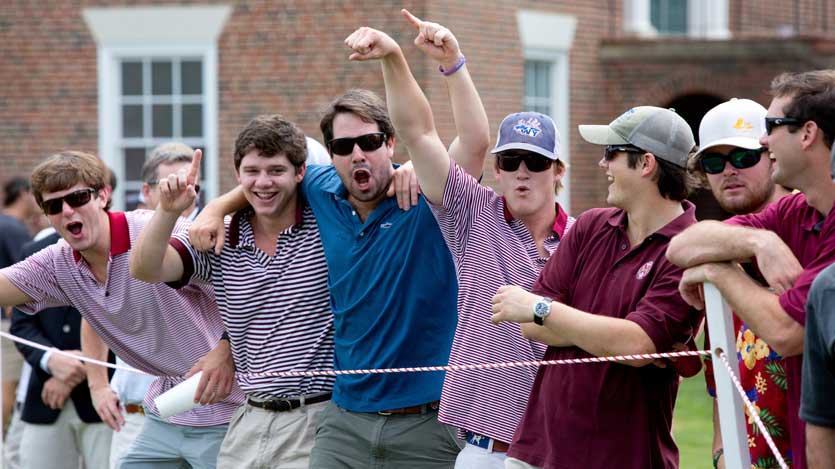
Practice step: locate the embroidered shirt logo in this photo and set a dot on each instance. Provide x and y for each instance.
(385, 225)
(644, 270)
(528, 127)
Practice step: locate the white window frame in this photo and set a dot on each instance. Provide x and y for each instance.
(548, 37)
(706, 19)
(149, 33)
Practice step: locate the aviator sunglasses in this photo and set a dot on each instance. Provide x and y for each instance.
(740, 158)
(535, 163)
(74, 199)
(367, 142)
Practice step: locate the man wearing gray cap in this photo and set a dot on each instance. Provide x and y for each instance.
(610, 291)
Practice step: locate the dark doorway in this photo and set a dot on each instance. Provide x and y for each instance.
(692, 108)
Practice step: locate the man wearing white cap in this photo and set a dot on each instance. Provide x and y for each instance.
(736, 167)
(610, 291)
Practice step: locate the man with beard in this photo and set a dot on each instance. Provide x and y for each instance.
(792, 240)
(736, 168)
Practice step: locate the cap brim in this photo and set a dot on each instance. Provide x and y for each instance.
(601, 135)
(742, 142)
(525, 146)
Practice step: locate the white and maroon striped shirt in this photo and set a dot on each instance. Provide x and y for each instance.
(151, 326)
(490, 249)
(276, 308)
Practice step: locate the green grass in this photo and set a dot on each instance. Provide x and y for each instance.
(693, 424)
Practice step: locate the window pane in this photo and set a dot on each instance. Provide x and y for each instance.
(669, 16)
(163, 120)
(132, 120)
(191, 72)
(543, 80)
(530, 77)
(134, 159)
(161, 78)
(131, 78)
(192, 120)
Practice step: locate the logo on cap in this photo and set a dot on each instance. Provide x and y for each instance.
(742, 125)
(644, 270)
(528, 127)
(626, 115)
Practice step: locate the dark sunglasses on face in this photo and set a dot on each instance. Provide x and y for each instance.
(740, 158)
(74, 199)
(367, 142)
(611, 150)
(773, 122)
(534, 162)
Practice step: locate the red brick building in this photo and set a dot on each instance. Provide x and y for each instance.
(117, 77)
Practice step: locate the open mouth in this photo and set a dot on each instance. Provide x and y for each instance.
(362, 178)
(75, 227)
(265, 196)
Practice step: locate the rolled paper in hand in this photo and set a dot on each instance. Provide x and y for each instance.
(178, 399)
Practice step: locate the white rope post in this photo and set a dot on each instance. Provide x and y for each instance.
(731, 415)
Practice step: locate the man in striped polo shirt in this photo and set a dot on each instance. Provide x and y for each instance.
(152, 327)
(494, 240)
(271, 286)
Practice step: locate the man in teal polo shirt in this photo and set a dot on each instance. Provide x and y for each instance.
(393, 294)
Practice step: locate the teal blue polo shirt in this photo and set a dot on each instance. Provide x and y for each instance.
(393, 293)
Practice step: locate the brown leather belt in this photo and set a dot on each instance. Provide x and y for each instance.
(285, 404)
(415, 409)
(134, 409)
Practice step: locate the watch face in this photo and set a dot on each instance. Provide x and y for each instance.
(542, 308)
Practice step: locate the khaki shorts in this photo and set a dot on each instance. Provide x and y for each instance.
(12, 359)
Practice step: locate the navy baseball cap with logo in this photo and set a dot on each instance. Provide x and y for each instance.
(531, 131)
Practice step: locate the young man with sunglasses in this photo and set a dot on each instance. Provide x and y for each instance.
(137, 320)
(737, 169)
(791, 240)
(610, 291)
(392, 287)
(494, 240)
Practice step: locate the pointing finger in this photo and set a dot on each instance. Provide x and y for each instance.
(412, 19)
(194, 169)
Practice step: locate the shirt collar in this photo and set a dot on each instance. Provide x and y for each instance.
(674, 227)
(560, 221)
(243, 214)
(119, 235)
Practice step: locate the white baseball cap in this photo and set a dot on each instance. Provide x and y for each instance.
(738, 122)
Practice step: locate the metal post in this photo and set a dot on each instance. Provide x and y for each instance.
(731, 415)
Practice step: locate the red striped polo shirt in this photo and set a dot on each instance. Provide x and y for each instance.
(490, 249)
(151, 326)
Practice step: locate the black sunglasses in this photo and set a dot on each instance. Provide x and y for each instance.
(772, 122)
(534, 162)
(367, 142)
(740, 158)
(74, 199)
(610, 151)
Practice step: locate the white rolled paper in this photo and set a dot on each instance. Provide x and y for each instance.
(178, 399)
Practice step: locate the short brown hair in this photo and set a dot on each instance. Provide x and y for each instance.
(365, 104)
(672, 180)
(271, 135)
(166, 153)
(66, 169)
(813, 98)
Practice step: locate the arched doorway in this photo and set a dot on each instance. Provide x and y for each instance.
(692, 108)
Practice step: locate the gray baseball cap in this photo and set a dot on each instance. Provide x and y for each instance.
(659, 131)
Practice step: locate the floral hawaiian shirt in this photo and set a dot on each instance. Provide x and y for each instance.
(763, 376)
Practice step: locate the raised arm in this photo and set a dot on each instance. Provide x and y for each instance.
(152, 259)
(713, 241)
(471, 124)
(408, 107)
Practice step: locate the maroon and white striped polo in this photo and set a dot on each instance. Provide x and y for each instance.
(152, 327)
(276, 308)
(490, 249)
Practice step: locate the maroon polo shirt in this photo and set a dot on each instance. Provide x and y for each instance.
(604, 415)
(811, 237)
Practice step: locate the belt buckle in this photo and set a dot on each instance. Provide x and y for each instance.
(480, 440)
(384, 413)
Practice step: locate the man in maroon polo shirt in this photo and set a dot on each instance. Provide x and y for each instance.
(792, 240)
(611, 291)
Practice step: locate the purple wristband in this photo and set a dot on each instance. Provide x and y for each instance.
(455, 68)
